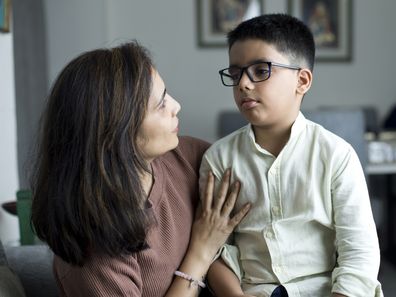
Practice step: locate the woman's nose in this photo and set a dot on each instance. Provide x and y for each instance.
(176, 107)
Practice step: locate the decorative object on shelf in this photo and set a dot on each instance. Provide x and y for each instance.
(24, 210)
(10, 207)
(331, 25)
(382, 148)
(5, 15)
(215, 18)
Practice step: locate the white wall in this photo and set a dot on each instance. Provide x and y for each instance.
(73, 26)
(168, 29)
(9, 232)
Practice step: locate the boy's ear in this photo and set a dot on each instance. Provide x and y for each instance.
(304, 81)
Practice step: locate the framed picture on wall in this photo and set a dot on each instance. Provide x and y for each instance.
(215, 18)
(5, 11)
(331, 24)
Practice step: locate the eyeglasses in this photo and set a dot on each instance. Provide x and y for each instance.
(259, 71)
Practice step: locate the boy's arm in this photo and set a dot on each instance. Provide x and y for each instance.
(222, 281)
(356, 238)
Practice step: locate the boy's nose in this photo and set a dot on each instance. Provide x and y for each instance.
(245, 82)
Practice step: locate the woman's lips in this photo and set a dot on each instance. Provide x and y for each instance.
(248, 103)
(177, 127)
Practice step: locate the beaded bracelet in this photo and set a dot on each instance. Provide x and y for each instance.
(193, 282)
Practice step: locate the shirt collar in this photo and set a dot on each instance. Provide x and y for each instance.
(298, 126)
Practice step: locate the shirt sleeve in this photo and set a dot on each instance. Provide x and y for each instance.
(100, 277)
(356, 237)
(204, 170)
(209, 165)
(230, 255)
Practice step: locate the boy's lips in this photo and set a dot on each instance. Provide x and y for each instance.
(248, 103)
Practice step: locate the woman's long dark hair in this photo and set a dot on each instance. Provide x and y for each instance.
(87, 195)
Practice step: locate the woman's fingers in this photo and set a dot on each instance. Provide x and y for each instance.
(229, 203)
(214, 224)
(221, 205)
(208, 197)
(237, 218)
(223, 190)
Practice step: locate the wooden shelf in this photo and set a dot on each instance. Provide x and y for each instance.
(381, 168)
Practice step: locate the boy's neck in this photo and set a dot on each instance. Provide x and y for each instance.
(271, 139)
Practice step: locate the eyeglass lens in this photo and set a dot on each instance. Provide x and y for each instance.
(256, 72)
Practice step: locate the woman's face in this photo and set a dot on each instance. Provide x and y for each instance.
(158, 132)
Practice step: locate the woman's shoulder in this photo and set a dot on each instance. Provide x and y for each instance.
(188, 153)
(192, 144)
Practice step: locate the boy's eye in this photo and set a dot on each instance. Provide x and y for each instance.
(261, 70)
(234, 72)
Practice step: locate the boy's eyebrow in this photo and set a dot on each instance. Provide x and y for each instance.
(250, 63)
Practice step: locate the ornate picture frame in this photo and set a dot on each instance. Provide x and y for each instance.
(5, 14)
(331, 25)
(215, 18)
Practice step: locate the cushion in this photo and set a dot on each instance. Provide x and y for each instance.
(33, 264)
(10, 285)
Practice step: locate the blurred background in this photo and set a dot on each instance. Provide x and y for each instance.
(45, 34)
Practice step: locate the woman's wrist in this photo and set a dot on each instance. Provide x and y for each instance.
(202, 252)
(196, 263)
(193, 281)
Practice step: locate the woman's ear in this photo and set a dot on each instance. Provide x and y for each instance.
(304, 81)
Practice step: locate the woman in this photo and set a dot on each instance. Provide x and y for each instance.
(115, 187)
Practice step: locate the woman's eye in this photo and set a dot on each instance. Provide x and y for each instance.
(163, 104)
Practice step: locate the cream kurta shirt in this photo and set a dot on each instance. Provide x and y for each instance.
(308, 204)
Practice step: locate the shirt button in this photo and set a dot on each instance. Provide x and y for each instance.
(269, 234)
(277, 269)
(276, 210)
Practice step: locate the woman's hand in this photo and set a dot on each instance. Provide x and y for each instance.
(213, 224)
(210, 230)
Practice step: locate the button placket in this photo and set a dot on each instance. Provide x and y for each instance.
(276, 210)
(269, 234)
(273, 179)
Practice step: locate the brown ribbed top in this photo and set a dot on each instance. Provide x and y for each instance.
(148, 273)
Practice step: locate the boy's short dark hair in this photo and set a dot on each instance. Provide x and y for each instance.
(288, 34)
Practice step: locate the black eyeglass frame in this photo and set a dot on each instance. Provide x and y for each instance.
(244, 69)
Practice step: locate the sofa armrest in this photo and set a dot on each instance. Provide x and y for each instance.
(10, 284)
(33, 265)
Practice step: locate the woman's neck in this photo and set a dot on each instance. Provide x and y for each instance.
(147, 180)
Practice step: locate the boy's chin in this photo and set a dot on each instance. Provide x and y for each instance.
(255, 120)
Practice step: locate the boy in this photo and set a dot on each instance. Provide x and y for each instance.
(310, 231)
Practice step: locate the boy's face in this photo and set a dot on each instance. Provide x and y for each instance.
(273, 103)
